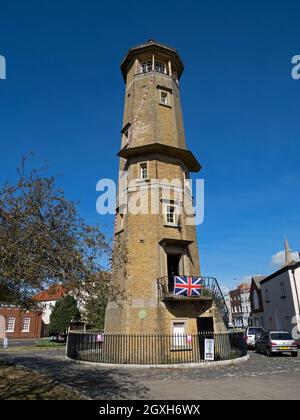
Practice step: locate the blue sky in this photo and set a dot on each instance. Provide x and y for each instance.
(63, 100)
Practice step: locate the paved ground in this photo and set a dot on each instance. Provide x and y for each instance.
(24, 342)
(259, 378)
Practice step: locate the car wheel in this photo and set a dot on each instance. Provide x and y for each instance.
(294, 353)
(269, 352)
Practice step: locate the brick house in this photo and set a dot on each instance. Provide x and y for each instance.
(256, 302)
(240, 305)
(21, 323)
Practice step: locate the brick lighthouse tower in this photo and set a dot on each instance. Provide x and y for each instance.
(159, 244)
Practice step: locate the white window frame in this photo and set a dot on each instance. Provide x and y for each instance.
(8, 328)
(143, 166)
(27, 323)
(164, 98)
(175, 214)
(179, 338)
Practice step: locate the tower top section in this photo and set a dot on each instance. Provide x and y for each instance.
(151, 48)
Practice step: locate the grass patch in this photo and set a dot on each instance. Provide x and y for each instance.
(47, 344)
(19, 383)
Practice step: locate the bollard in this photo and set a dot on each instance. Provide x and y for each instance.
(5, 342)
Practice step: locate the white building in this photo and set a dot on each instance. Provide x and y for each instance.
(246, 307)
(281, 298)
(227, 301)
(46, 301)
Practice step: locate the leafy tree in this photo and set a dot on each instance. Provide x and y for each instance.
(64, 311)
(94, 300)
(43, 240)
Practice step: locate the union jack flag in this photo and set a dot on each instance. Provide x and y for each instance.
(188, 286)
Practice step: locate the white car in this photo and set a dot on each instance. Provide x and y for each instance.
(252, 334)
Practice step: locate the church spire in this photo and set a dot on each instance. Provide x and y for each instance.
(287, 252)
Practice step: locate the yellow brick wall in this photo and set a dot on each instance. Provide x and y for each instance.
(142, 311)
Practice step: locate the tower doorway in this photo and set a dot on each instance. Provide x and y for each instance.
(173, 269)
(204, 324)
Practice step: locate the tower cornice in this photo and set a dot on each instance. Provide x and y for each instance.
(154, 47)
(184, 155)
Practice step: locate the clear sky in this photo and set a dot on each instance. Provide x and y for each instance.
(63, 100)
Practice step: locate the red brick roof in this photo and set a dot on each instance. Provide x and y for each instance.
(54, 292)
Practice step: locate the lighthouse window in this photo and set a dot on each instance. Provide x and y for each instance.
(164, 97)
(160, 67)
(146, 66)
(171, 216)
(144, 170)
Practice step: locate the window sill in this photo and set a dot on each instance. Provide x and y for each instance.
(141, 180)
(165, 105)
(172, 225)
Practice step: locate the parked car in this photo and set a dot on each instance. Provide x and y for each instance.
(58, 338)
(276, 342)
(252, 334)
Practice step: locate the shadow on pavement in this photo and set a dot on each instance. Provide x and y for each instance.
(96, 383)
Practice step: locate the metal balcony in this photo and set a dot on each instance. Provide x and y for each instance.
(209, 292)
(166, 290)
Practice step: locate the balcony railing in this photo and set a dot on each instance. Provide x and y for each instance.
(209, 290)
(167, 289)
(156, 66)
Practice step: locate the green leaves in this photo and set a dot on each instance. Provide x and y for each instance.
(64, 311)
(43, 239)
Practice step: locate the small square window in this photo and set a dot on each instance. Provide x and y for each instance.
(164, 98)
(144, 170)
